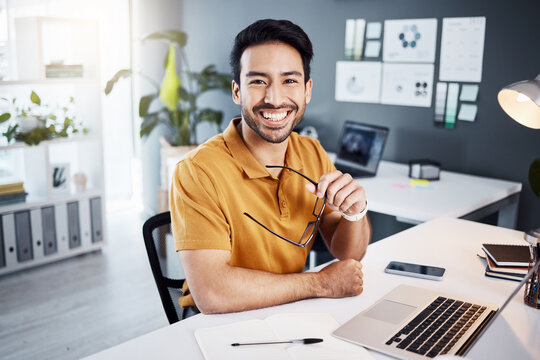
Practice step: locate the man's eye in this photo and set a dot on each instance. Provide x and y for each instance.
(291, 81)
(256, 81)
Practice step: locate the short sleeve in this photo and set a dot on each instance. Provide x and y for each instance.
(198, 221)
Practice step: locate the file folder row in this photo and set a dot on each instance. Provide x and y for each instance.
(33, 234)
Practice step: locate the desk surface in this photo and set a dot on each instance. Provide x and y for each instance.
(454, 195)
(446, 242)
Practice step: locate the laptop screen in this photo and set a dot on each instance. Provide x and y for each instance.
(361, 146)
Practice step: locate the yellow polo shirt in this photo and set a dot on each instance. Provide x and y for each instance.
(216, 183)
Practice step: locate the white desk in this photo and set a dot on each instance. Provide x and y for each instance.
(451, 243)
(454, 195)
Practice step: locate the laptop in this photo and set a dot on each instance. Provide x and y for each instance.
(360, 148)
(415, 323)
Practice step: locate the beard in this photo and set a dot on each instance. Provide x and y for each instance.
(274, 135)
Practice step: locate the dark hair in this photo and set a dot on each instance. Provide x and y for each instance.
(267, 31)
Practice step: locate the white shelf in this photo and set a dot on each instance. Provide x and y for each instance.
(68, 222)
(77, 138)
(53, 257)
(42, 200)
(50, 81)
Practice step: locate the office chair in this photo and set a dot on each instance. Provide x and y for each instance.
(167, 271)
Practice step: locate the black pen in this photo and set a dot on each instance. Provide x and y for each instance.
(306, 341)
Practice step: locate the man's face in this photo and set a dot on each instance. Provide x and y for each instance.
(272, 91)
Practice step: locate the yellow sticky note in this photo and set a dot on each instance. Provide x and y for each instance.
(419, 182)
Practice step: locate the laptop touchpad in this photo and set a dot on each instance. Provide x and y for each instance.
(390, 311)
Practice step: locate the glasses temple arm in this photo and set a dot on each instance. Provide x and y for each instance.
(298, 172)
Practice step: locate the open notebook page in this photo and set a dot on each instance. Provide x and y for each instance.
(215, 343)
(314, 325)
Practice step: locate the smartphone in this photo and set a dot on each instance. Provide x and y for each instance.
(415, 270)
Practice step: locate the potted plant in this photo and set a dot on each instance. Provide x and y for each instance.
(37, 122)
(174, 102)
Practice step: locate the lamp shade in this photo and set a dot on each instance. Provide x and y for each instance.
(521, 101)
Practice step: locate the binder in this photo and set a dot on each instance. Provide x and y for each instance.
(97, 224)
(73, 225)
(85, 225)
(48, 225)
(37, 233)
(8, 225)
(61, 222)
(2, 256)
(23, 235)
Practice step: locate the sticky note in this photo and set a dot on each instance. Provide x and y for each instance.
(467, 112)
(468, 93)
(419, 182)
(373, 30)
(373, 48)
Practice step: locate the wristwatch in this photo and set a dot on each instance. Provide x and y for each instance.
(355, 217)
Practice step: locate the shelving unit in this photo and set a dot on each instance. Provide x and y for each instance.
(52, 225)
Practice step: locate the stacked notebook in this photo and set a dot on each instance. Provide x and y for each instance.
(12, 192)
(507, 261)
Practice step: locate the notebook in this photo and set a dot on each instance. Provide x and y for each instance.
(415, 323)
(215, 342)
(508, 255)
(503, 275)
(517, 270)
(360, 148)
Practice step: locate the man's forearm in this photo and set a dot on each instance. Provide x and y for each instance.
(240, 289)
(350, 239)
(218, 287)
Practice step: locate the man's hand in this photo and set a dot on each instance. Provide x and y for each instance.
(345, 239)
(342, 278)
(342, 192)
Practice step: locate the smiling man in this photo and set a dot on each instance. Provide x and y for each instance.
(246, 205)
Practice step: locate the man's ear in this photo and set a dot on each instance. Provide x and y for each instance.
(309, 86)
(236, 92)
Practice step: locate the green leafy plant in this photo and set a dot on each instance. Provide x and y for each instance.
(49, 123)
(177, 95)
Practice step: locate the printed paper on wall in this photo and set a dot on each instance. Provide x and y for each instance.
(407, 84)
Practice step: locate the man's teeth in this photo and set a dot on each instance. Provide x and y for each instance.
(275, 117)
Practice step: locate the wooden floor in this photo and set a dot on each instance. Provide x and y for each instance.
(77, 307)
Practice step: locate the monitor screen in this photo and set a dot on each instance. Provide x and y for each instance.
(362, 145)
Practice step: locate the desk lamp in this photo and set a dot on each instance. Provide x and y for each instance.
(521, 101)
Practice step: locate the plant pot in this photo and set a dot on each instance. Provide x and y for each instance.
(28, 123)
(170, 156)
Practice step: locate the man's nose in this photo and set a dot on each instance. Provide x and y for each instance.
(273, 95)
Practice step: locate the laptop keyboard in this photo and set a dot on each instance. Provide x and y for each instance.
(438, 327)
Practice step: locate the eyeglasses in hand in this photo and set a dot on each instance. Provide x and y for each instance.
(312, 226)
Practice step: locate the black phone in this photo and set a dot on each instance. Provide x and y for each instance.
(415, 270)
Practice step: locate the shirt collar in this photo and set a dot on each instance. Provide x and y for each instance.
(245, 158)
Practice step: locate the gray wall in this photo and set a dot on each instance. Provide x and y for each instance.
(493, 146)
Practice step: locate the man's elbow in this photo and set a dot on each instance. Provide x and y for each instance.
(211, 301)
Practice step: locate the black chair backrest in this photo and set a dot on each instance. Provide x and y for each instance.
(166, 269)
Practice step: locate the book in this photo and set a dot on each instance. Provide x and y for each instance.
(11, 188)
(503, 275)
(508, 255)
(518, 270)
(7, 199)
(215, 342)
(63, 71)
